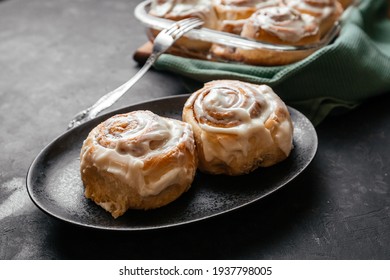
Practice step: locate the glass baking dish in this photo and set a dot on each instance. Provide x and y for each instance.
(226, 39)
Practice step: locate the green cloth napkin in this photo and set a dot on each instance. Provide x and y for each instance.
(356, 66)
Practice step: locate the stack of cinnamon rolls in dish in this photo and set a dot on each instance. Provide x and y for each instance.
(281, 22)
(141, 160)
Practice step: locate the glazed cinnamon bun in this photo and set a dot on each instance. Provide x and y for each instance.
(278, 25)
(239, 9)
(137, 160)
(232, 14)
(327, 12)
(238, 127)
(180, 9)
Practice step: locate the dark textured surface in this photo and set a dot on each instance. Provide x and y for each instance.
(57, 57)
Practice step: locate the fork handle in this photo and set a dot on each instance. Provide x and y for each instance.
(110, 98)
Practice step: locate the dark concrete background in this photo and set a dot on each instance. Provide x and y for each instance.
(58, 57)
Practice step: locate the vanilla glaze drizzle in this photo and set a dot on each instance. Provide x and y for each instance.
(125, 145)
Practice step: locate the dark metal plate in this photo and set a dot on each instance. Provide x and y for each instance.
(54, 183)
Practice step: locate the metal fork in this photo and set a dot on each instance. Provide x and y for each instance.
(162, 42)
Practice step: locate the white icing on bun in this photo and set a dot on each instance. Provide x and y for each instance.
(141, 155)
(326, 12)
(238, 126)
(282, 22)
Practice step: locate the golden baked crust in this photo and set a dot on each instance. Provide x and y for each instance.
(346, 3)
(327, 12)
(278, 25)
(137, 160)
(117, 197)
(238, 127)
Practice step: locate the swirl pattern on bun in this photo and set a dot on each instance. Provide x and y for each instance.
(238, 127)
(281, 25)
(137, 160)
(326, 12)
(277, 25)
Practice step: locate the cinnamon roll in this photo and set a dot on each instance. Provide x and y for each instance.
(278, 25)
(232, 14)
(137, 160)
(238, 127)
(239, 9)
(180, 9)
(327, 12)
